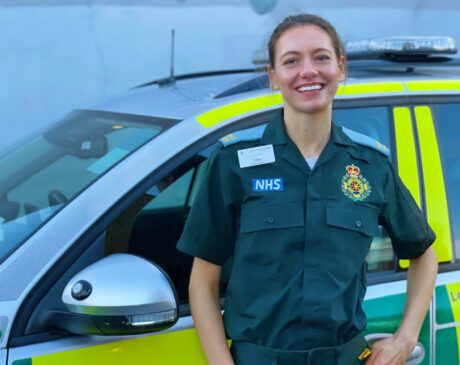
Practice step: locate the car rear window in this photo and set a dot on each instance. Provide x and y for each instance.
(448, 131)
(372, 121)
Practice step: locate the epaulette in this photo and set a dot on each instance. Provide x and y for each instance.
(245, 135)
(364, 140)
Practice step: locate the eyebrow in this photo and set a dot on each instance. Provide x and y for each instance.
(315, 51)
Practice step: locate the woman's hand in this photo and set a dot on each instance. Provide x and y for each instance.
(421, 277)
(391, 351)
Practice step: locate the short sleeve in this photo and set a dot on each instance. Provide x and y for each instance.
(209, 231)
(408, 229)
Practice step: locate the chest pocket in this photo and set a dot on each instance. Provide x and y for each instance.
(265, 217)
(362, 219)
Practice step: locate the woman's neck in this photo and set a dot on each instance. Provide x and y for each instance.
(309, 132)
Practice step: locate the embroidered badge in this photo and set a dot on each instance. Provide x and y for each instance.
(355, 185)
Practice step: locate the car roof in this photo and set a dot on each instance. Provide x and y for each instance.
(179, 99)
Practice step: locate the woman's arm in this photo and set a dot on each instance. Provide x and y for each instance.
(420, 283)
(205, 307)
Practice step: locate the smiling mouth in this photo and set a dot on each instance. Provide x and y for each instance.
(315, 87)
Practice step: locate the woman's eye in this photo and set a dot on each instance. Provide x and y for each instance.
(323, 58)
(290, 61)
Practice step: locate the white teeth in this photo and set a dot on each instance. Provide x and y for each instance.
(309, 88)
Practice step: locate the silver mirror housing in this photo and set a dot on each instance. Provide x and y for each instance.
(121, 294)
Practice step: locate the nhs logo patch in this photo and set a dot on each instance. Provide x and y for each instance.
(272, 184)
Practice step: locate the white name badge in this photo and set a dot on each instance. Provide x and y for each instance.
(256, 156)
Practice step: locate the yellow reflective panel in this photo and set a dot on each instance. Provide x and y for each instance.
(454, 298)
(174, 348)
(406, 152)
(378, 87)
(407, 156)
(433, 85)
(218, 115)
(433, 179)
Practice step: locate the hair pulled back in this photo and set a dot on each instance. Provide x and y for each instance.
(299, 20)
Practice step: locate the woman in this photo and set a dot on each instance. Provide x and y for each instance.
(296, 210)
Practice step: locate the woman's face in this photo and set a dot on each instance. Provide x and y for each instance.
(307, 71)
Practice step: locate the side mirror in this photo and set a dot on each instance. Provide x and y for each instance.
(119, 295)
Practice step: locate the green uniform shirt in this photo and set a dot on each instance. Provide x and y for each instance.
(299, 237)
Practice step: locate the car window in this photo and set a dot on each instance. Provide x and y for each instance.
(44, 174)
(448, 132)
(152, 225)
(373, 122)
(174, 196)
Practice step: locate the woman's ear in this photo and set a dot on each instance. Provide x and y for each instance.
(272, 76)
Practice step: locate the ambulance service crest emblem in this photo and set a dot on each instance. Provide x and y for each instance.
(355, 185)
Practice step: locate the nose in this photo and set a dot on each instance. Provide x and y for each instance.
(308, 70)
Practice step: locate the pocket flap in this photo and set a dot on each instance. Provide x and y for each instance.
(261, 217)
(355, 218)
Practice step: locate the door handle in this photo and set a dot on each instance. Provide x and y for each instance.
(417, 355)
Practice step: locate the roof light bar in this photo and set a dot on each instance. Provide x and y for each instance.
(403, 46)
(392, 48)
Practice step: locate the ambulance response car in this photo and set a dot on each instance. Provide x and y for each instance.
(92, 208)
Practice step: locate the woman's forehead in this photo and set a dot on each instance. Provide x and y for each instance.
(303, 37)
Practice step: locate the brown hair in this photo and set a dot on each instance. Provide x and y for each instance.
(301, 20)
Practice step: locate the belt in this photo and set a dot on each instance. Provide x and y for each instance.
(349, 353)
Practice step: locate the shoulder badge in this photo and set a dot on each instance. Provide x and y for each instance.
(245, 135)
(355, 185)
(366, 141)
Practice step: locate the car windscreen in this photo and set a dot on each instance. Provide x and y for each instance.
(42, 175)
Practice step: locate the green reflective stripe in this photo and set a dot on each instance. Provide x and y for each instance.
(447, 312)
(384, 316)
(370, 88)
(425, 338)
(453, 292)
(444, 85)
(433, 178)
(22, 362)
(446, 347)
(443, 308)
(218, 115)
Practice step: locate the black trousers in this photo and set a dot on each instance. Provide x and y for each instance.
(245, 353)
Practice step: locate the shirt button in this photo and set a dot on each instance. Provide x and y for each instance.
(270, 219)
(359, 223)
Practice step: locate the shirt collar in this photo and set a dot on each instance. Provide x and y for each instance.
(338, 136)
(276, 134)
